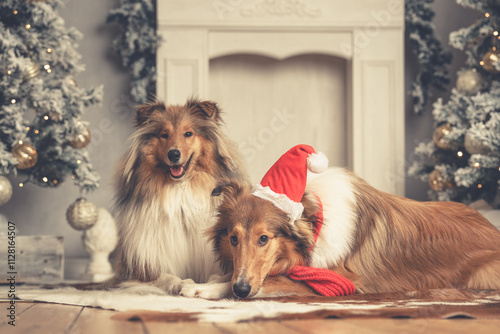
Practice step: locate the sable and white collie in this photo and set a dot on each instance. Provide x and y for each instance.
(381, 242)
(164, 206)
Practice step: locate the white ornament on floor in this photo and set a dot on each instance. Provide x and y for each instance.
(99, 241)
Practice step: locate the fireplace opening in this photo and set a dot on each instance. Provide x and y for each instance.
(272, 104)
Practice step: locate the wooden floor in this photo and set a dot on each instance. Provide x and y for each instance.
(43, 318)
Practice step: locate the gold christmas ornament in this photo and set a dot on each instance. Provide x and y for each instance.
(439, 137)
(25, 154)
(471, 82)
(31, 71)
(474, 146)
(81, 140)
(5, 190)
(490, 59)
(82, 215)
(437, 182)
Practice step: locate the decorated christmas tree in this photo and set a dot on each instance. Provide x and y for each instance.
(462, 162)
(42, 132)
(136, 44)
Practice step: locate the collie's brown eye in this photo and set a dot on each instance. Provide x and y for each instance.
(263, 240)
(188, 134)
(164, 135)
(234, 240)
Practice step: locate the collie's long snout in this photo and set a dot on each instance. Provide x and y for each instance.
(174, 155)
(242, 287)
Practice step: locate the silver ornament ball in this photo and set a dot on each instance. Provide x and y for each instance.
(475, 146)
(5, 190)
(470, 82)
(82, 215)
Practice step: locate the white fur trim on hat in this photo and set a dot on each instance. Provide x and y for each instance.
(281, 201)
(317, 162)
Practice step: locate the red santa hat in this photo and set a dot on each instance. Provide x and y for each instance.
(284, 184)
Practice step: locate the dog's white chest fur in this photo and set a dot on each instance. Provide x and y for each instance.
(168, 236)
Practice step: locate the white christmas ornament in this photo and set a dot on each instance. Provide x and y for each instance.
(82, 214)
(470, 82)
(99, 241)
(474, 146)
(5, 190)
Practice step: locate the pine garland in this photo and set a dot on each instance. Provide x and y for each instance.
(427, 48)
(137, 43)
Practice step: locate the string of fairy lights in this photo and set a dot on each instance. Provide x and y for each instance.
(490, 63)
(23, 150)
(461, 162)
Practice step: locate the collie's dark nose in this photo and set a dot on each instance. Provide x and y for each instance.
(242, 289)
(174, 155)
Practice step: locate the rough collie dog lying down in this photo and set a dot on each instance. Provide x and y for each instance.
(379, 241)
(164, 206)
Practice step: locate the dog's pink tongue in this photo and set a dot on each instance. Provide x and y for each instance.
(176, 170)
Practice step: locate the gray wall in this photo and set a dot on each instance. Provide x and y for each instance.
(42, 211)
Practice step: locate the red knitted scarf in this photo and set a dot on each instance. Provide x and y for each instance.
(323, 281)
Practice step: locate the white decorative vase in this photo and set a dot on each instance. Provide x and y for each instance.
(99, 241)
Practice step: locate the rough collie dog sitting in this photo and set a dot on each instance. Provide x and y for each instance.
(178, 155)
(379, 241)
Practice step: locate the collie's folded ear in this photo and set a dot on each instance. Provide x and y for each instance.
(218, 190)
(230, 188)
(207, 109)
(144, 111)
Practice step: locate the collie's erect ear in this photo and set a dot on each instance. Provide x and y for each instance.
(145, 110)
(206, 109)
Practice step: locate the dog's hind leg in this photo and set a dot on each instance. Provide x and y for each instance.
(487, 272)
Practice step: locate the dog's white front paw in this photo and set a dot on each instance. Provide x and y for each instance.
(207, 291)
(171, 284)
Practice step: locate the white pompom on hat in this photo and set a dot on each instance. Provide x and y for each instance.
(285, 182)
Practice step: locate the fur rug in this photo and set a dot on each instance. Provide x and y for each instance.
(445, 304)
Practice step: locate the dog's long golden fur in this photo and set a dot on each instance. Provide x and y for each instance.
(381, 242)
(401, 244)
(177, 155)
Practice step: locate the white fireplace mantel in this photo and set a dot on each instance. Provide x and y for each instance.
(368, 34)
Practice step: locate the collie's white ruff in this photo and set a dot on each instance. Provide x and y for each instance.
(169, 235)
